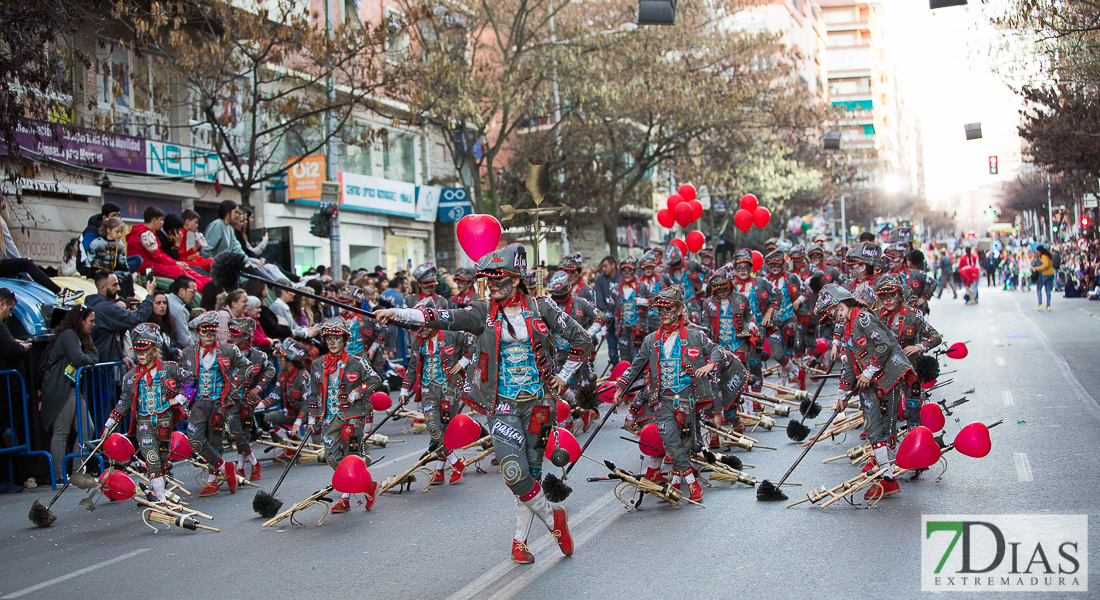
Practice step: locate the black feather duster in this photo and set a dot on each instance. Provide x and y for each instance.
(926, 367)
(586, 397)
(555, 489)
(817, 281)
(226, 270)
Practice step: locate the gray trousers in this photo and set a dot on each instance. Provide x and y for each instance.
(204, 429)
(880, 415)
(153, 442)
(436, 418)
(64, 422)
(278, 418)
(336, 447)
(517, 449)
(677, 435)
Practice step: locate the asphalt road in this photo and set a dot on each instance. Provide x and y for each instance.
(1036, 371)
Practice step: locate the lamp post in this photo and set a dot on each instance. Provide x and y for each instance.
(330, 159)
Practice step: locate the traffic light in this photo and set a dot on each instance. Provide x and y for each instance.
(992, 165)
(1085, 221)
(320, 224)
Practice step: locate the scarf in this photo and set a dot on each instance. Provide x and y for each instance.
(211, 348)
(668, 330)
(332, 362)
(498, 306)
(147, 373)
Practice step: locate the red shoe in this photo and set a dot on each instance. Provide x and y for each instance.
(231, 477)
(439, 478)
(882, 488)
(342, 505)
(863, 435)
(285, 455)
(586, 419)
(713, 441)
(696, 490)
(521, 554)
(211, 489)
(871, 465)
(495, 461)
(372, 494)
(561, 531)
(739, 428)
(255, 476)
(655, 475)
(456, 472)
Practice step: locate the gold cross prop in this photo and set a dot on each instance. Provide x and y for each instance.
(538, 183)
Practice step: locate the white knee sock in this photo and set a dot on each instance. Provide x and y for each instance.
(882, 457)
(653, 462)
(541, 507)
(524, 517)
(345, 496)
(158, 487)
(251, 459)
(439, 464)
(452, 458)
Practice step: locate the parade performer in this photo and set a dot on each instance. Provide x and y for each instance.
(763, 302)
(592, 321)
(464, 279)
(425, 276)
(291, 389)
(367, 336)
(151, 392)
(706, 260)
(679, 360)
(877, 368)
(687, 274)
(860, 263)
(435, 369)
(782, 326)
(913, 332)
(339, 403)
(572, 264)
(926, 284)
(217, 370)
(629, 301)
(254, 382)
(731, 325)
(651, 280)
(513, 381)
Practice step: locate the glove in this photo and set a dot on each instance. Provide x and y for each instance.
(312, 421)
(353, 396)
(109, 425)
(642, 301)
(180, 399)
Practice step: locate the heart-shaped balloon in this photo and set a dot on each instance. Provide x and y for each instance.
(650, 442)
(561, 438)
(973, 440)
(757, 261)
(116, 486)
(461, 431)
(695, 240)
(351, 476)
(931, 416)
(478, 235)
(919, 450)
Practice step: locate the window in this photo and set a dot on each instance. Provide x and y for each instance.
(397, 35)
(354, 158)
(351, 13)
(398, 162)
(842, 39)
(132, 91)
(838, 16)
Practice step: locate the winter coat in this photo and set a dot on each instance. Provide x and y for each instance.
(56, 386)
(111, 321)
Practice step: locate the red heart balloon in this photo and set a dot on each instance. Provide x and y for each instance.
(118, 447)
(931, 416)
(957, 350)
(681, 244)
(563, 411)
(619, 369)
(682, 212)
(757, 261)
(761, 217)
(696, 210)
(973, 440)
(674, 201)
(687, 192)
(749, 202)
(461, 431)
(351, 475)
(116, 486)
(742, 219)
(181, 448)
(566, 441)
(919, 450)
(478, 235)
(651, 443)
(381, 401)
(695, 240)
(821, 346)
(665, 218)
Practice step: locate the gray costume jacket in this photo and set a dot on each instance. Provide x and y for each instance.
(870, 345)
(231, 362)
(696, 351)
(358, 376)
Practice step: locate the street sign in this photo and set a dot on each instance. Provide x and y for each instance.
(330, 192)
(454, 203)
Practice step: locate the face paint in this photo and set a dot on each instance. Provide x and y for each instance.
(669, 315)
(743, 270)
(147, 356)
(891, 301)
(502, 288)
(628, 275)
(207, 337)
(336, 343)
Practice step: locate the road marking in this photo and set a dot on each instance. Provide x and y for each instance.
(520, 583)
(68, 576)
(1000, 361)
(1006, 396)
(1023, 467)
(996, 342)
(475, 587)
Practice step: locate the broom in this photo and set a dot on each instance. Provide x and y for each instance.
(768, 491)
(40, 515)
(797, 430)
(267, 505)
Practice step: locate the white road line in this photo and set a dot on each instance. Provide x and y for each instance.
(1023, 467)
(1000, 361)
(78, 573)
(1006, 396)
(520, 583)
(475, 587)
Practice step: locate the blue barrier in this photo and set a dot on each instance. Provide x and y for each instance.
(21, 438)
(97, 392)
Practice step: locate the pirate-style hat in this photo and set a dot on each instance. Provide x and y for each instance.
(558, 284)
(863, 252)
(743, 255)
(797, 251)
(509, 261)
(902, 235)
(207, 321)
(649, 259)
(351, 294)
(707, 251)
(291, 350)
(629, 263)
(673, 256)
(815, 249)
(720, 279)
(573, 260)
(425, 272)
(243, 326)
(831, 295)
(335, 326)
(145, 336)
(896, 249)
(891, 283)
(776, 257)
(771, 243)
(671, 296)
(464, 274)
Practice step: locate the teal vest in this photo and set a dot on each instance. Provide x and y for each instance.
(517, 371)
(726, 333)
(332, 393)
(673, 377)
(151, 398)
(211, 381)
(355, 342)
(630, 309)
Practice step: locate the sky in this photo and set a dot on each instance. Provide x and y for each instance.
(944, 60)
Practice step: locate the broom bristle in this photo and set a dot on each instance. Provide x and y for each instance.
(586, 397)
(767, 492)
(40, 515)
(732, 461)
(815, 409)
(555, 489)
(266, 505)
(226, 268)
(797, 431)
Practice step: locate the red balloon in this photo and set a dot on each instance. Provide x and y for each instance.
(181, 448)
(682, 212)
(696, 209)
(563, 411)
(742, 219)
(118, 447)
(651, 443)
(695, 240)
(919, 450)
(931, 416)
(687, 192)
(619, 369)
(116, 486)
(351, 475)
(381, 401)
(566, 441)
(749, 202)
(761, 217)
(973, 440)
(681, 244)
(957, 350)
(927, 385)
(665, 218)
(673, 201)
(478, 235)
(821, 346)
(757, 261)
(606, 392)
(461, 431)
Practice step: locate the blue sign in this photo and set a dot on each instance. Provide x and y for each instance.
(454, 203)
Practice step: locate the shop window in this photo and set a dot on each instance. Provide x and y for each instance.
(398, 162)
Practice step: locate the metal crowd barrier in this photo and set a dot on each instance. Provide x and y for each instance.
(97, 391)
(20, 436)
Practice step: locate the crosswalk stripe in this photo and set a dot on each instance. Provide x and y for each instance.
(1023, 467)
